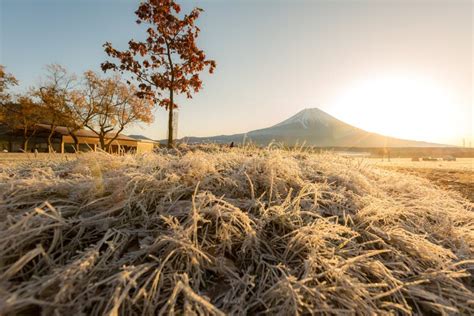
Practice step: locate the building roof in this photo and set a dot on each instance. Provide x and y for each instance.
(143, 139)
(140, 137)
(63, 130)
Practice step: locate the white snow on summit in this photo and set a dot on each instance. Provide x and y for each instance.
(308, 117)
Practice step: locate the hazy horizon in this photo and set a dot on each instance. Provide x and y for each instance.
(397, 68)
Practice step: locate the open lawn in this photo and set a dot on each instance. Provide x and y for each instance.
(241, 231)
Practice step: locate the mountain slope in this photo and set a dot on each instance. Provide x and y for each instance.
(314, 127)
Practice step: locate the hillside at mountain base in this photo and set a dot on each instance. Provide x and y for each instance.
(313, 127)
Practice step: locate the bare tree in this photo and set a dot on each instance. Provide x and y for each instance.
(107, 106)
(54, 95)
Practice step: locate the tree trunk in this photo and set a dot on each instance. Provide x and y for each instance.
(171, 108)
(25, 139)
(50, 143)
(109, 143)
(170, 121)
(76, 142)
(25, 144)
(102, 142)
(9, 148)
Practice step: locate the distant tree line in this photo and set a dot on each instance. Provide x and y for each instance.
(168, 62)
(106, 106)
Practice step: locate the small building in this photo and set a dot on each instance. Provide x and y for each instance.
(63, 142)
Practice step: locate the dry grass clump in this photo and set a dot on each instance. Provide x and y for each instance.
(214, 231)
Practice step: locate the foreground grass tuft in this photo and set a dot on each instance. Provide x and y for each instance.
(214, 231)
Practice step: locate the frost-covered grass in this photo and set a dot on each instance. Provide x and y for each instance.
(241, 231)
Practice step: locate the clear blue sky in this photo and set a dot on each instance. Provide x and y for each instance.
(276, 57)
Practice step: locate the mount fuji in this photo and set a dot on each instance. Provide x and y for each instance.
(313, 127)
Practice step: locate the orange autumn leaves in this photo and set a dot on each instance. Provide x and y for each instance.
(168, 61)
(7, 80)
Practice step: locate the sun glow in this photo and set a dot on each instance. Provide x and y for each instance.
(410, 107)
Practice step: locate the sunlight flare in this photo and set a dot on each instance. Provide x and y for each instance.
(405, 106)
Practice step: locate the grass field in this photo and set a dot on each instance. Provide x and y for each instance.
(15, 158)
(451, 175)
(216, 231)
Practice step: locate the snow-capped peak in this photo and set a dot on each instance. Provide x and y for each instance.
(308, 117)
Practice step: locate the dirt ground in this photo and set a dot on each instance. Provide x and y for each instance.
(451, 179)
(452, 175)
